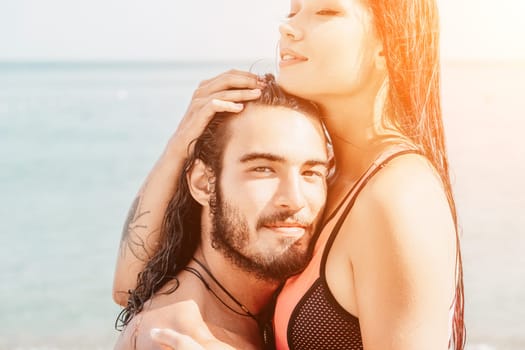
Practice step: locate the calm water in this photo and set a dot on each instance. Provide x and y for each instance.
(77, 140)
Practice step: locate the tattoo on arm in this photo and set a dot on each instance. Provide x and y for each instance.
(130, 225)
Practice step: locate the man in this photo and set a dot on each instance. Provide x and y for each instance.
(248, 203)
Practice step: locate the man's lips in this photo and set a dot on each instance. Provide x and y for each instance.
(287, 228)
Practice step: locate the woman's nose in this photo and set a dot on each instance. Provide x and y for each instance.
(289, 31)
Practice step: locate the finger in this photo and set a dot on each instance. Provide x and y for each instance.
(199, 115)
(216, 106)
(198, 103)
(227, 81)
(174, 340)
(237, 95)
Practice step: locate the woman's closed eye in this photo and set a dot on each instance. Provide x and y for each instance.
(327, 12)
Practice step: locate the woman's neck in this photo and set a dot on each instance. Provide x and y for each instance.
(358, 137)
(358, 131)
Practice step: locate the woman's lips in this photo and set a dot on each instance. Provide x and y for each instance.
(289, 57)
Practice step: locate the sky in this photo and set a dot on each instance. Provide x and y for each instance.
(170, 30)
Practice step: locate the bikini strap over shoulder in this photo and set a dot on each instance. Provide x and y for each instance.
(374, 168)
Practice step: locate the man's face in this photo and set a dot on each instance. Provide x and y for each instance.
(271, 192)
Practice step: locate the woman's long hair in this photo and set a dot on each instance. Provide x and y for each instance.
(180, 233)
(409, 30)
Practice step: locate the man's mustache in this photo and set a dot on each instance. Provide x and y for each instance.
(287, 217)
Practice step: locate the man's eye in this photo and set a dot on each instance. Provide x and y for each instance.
(327, 12)
(311, 173)
(262, 169)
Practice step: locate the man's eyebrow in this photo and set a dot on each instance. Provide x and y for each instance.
(314, 162)
(276, 158)
(257, 155)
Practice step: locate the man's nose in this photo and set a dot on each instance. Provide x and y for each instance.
(291, 194)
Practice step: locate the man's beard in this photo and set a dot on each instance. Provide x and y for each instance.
(230, 234)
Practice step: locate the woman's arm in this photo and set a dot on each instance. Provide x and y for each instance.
(404, 269)
(141, 228)
(140, 233)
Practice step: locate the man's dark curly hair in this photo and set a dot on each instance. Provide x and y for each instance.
(180, 233)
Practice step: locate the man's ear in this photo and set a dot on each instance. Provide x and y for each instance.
(199, 182)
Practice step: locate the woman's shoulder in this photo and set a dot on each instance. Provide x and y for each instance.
(405, 202)
(405, 181)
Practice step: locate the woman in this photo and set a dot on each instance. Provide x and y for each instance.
(387, 272)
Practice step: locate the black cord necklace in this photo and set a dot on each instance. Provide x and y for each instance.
(208, 272)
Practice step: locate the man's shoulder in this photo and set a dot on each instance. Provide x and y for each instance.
(136, 334)
(165, 310)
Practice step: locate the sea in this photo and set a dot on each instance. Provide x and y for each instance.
(78, 138)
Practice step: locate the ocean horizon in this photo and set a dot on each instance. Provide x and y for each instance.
(78, 138)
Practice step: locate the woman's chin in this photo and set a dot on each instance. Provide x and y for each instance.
(294, 86)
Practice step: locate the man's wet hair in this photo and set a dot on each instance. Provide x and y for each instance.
(180, 233)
